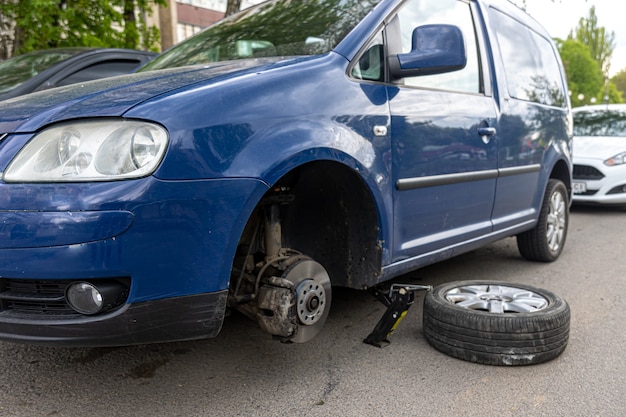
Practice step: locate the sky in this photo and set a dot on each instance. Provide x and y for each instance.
(561, 16)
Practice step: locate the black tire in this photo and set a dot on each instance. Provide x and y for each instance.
(496, 338)
(545, 242)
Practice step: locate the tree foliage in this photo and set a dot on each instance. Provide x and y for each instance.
(44, 24)
(585, 78)
(584, 75)
(619, 81)
(587, 58)
(600, 42)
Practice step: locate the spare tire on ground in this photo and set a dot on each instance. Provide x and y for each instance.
(496, 323)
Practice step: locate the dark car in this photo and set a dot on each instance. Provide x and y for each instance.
(293, 147)
(41, 70)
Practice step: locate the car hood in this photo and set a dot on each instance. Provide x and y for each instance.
(111, 96)
(598, 147)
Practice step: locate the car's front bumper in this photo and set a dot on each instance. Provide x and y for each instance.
(171, 242)
(172, 319)
(600, 184)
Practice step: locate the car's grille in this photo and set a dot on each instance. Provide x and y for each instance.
(34, 297)
(584, 172)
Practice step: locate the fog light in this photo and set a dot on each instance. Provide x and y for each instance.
(88, 298)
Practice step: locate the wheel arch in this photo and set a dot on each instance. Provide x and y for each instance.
(335, 220)
(562, 172)
(334, 216)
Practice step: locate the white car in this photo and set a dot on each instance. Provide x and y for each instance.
(600, 154)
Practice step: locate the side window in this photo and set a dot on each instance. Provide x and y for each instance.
(370, 65)
(100, 70)
(532, 72)
(453, 12)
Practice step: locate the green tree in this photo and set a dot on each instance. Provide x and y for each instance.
(43, 24)
(614, 94)
(601, 45)
(619, 81)
(584, 74)
(6, 35)
(600, 42)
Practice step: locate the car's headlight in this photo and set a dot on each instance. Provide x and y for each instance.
(618, 159)
(90, 151)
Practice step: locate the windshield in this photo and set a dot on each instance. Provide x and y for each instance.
(274, 28)
(600, 123)
(21, 68)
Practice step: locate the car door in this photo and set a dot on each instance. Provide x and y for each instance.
(533, 116)
(444, 144)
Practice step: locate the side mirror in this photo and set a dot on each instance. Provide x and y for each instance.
(436, 49)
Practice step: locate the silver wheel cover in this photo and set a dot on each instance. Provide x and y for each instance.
(497, 299)
(556, 222)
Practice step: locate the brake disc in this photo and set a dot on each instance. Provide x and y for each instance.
(313, 297)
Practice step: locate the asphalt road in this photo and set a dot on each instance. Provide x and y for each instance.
(243, 372)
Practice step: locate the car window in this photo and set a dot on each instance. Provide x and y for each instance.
(101, 70)
(274, 28)
(454, 12)
(21, 68)
(607, 122)
(532, 72)
(370, 65)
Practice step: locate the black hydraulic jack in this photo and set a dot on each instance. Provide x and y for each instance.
(398, 301)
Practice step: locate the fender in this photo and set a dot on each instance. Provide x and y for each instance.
(296, 144)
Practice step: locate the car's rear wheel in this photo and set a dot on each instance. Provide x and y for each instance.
(545, 242)
(496, 323)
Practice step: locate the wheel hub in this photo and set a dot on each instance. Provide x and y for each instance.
(313, 297)
(310, 301)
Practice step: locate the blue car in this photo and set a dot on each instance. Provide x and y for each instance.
(292, 148)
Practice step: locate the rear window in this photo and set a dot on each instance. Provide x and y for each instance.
(607, 122)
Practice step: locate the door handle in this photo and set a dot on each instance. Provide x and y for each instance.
(486, 133)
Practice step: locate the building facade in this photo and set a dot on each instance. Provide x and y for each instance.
(183, 18)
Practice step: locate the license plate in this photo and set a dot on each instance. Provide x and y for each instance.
(579, 187)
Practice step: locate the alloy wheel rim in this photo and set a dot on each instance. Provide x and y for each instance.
(496, 299)
(556, 222)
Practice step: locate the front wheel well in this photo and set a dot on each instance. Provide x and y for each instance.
(330, 216)
(334, 220)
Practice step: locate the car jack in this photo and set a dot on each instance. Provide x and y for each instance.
(398, 301)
